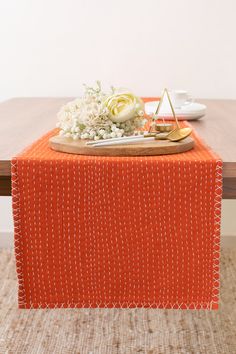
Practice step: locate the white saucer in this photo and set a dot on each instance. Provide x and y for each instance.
(190, 111)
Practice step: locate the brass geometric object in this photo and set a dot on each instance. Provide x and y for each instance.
(174, 135)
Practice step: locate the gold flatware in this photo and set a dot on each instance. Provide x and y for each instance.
(175, 135)
(178, 134)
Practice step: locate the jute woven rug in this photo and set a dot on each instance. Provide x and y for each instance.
(121, 331)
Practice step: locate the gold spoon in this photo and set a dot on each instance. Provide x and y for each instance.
(178, 133)
(175, 135)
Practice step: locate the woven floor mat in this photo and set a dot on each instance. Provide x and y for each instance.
(121, 331)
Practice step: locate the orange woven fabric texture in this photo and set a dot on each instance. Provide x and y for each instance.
(117, 231)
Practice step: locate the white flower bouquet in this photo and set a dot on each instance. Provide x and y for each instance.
(98, 115)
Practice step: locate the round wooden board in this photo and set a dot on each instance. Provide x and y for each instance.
(155, 147)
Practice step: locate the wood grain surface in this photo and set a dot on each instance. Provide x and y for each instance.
(23, 120)
(155, 147)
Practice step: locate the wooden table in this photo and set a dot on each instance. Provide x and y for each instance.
(22, 120)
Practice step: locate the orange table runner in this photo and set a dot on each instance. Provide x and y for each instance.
(117, 231)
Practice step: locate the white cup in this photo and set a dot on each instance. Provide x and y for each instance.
(180, 98)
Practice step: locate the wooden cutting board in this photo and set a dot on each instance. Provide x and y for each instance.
(155, 147)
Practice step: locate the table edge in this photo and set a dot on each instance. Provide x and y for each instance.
(229, 179)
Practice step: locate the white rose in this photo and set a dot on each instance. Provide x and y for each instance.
(123, 106)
